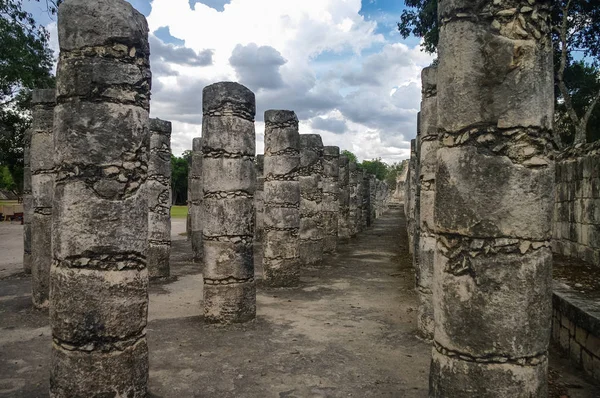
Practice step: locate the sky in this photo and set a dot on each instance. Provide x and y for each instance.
(341, 65)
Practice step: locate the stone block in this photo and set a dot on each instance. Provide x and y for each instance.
(457, 378)
(128, 375)
(228, 217)
(517, 202)
(228, 259)
(492, 66)
(228, 175)
(87, 305)
(496, 299)
(235, 302)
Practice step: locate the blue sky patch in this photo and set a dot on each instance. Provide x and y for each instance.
(218, 5)
(164, 34)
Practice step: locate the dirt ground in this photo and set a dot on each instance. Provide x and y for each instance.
(347, 331)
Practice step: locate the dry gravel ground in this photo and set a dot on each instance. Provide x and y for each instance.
(347, 331)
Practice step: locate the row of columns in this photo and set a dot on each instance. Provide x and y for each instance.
(479, 198)
(100, 201)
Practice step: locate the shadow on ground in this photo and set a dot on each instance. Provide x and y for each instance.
(347, 331)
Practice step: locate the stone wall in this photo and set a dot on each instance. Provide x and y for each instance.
(576, 231)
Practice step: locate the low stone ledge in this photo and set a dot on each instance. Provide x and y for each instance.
(576, 327)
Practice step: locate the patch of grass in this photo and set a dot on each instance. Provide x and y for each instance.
(8, 202)
(179, 211)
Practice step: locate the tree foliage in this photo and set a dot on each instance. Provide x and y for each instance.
(179, 177)
(25, 63)
(351, 157)
(576, 40)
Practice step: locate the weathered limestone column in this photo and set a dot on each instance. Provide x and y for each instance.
(493, 200)
(259, 201)
(344, 199)
(196, 198)
(372, 199)
(311, 198)
(99, 279)
(281, 261)
(188, 219)
(42, 192)
(228, 185)
(428, 138)
(159, 199)
(353, 198)
(366, 201)
(27, 202)
(330, 206)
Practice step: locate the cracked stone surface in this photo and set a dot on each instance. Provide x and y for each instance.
(426, 241)
(228, 186)
(492, 265)
(330, 206)
(42, 193)
(311, 193)
(281, 259)
(99, 279)
(159, 199)
(196, 196)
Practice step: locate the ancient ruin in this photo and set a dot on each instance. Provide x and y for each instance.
(281, 260)
(457, 298)
(159, 199)
(99, 278)
(42, 193)
(259, 201)
(353, 204)
(330, 207)
(195, 198)
(311, 198)
(426, 241)
(492, 268)
(344, 199)
(228, 185)
(27, 200)
(365, 217)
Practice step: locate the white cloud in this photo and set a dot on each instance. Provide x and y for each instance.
(319, 58)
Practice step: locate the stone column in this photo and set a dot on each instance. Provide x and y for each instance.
(27, 202)
(281, 261)
(344, 199)
(311, 193)
(372, 199)
(366, 200)
(428, 139)
(228, 185)
(99, 279)
(259, 202)
(493, 200)
(159, 199)
(353, 198)
(188, 219)
(330, 206)
(196, 197)
(42, 193)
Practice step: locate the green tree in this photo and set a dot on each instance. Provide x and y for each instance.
(179, 177)
(575, 30)
(6, 179)
(376, 167)
(392, 175)
(352, 157)
(25, 63)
